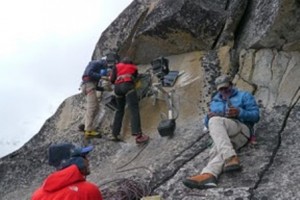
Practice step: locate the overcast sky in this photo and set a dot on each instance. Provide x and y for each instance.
(44, 48)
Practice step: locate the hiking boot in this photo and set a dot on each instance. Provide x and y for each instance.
(141, 138)
(92, 134)
(202, 181)
(232, 164)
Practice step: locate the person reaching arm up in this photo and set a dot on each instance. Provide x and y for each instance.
(90, 79)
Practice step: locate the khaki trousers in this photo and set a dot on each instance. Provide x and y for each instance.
(92, 106)
(227, 135)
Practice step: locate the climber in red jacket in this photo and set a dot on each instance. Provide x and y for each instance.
(123, 77)
(69, 181)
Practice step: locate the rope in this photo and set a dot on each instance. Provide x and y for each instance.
(140, 151)
(128, 189)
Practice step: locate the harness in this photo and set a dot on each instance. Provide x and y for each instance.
(124, 78)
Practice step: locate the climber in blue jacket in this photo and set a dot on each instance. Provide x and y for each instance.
(230, 122)
(90, 78)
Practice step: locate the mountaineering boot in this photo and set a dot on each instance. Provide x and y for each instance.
(232, 164)
(92, 134)
(141, 138)
(202, 181)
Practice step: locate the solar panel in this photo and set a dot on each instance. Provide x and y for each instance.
(170, 78)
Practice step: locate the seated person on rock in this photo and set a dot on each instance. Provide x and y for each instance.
(230, 122)
(69, 181)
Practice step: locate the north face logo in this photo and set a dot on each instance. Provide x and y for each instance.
(74, 188)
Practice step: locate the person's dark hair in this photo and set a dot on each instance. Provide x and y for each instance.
(112, 58)
(127, 60)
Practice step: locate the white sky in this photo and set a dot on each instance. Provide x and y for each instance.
(44, 48)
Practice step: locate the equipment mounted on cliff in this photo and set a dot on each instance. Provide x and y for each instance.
(160, 68)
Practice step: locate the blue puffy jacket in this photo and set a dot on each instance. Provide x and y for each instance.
(93, 69)
(244, 101)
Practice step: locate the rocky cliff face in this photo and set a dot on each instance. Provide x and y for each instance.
(256, 42)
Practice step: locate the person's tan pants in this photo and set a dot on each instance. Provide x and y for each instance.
(227, 135)
(92, 105)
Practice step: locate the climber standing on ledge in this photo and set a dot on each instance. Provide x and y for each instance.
(123, 77)
(90, 78)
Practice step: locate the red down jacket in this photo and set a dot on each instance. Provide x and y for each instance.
(123, 72)
(67, 184)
